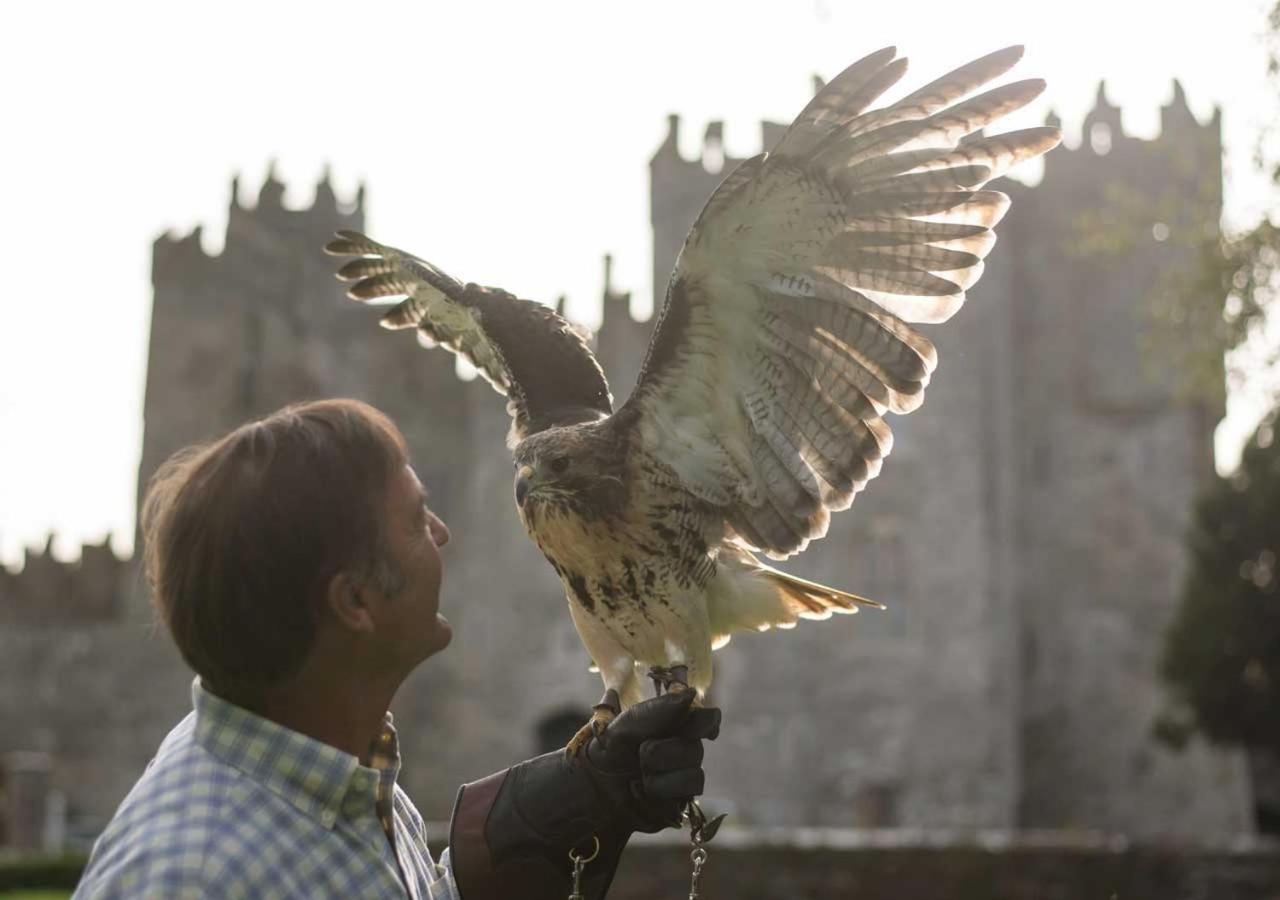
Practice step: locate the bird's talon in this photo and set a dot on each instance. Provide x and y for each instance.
(600, 723)
(578, 741)
(602, 714)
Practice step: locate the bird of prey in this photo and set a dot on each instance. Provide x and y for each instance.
(785, 338)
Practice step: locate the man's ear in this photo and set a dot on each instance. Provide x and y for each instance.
(348, 601)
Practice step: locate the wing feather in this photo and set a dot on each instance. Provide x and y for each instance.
(524, 349)
(787, 330)
(842, 98)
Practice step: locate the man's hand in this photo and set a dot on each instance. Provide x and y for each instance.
(512, 832)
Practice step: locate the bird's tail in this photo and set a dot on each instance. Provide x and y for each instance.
(751, 595)
(811, 600)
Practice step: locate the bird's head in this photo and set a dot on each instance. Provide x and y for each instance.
(575, 468)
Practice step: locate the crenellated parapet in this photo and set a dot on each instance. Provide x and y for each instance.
(177, 253)
(181, 256)
(326, 209)
(49, 591)
(1184, 147)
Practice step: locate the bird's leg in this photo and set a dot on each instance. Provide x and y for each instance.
(674, 678)
(602, 714)
(661, 677)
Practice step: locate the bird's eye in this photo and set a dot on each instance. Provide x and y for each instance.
(559, 464)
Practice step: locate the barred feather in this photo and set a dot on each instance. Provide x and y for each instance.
(523, 349)
(842, 98)
(787, 326)
(364, 268)
(385, 285)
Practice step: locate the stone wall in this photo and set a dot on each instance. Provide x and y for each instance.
(997, 869)
(821, 864)
(48, 590)
(96, 699)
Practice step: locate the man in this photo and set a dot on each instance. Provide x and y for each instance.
(296, 563)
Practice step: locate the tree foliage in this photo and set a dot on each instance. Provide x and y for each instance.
(1221, 657)
(1222, 653)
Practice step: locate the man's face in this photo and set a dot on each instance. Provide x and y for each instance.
(414, 536)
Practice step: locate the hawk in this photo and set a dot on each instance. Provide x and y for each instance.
(785, 338)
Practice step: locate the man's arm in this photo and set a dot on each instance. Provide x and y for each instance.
(515, 829)
(152, 870)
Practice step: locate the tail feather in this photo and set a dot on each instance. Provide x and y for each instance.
(815, 598)
(750, 595)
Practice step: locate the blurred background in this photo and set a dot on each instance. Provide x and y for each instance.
(1074, 689)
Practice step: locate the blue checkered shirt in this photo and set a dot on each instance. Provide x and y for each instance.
(234, 805)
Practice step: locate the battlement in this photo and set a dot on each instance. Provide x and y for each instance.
(271, 199)
(178, 254)
(48, 591)
(1101, 129)
(1102, 133)
(713, 160)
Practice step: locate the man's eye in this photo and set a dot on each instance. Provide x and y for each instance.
(559, 464)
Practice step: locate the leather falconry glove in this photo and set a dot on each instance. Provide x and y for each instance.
(512, 832)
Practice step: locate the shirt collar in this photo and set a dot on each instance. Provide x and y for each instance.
(318, 779)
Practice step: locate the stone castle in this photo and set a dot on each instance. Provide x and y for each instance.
(1026, 535)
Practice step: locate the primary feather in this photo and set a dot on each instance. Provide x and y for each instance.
(785, 337)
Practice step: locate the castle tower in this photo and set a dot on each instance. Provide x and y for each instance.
(1110, 454)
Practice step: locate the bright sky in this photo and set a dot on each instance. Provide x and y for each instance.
(504, 142)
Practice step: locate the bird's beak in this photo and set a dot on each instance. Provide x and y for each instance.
(524, 481)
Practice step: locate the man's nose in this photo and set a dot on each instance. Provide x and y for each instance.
(439, 532)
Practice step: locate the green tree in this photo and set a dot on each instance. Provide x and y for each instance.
(1222, 652)
(1221, 657)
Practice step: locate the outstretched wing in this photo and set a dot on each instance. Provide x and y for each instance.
(524, 349)
(785, 338)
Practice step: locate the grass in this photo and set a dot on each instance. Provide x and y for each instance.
(34, 895)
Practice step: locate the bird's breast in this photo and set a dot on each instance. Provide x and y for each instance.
(635, 562)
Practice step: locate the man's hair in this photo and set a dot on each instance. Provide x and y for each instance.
(243, 535)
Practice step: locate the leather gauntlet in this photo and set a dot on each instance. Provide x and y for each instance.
(512, 832)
